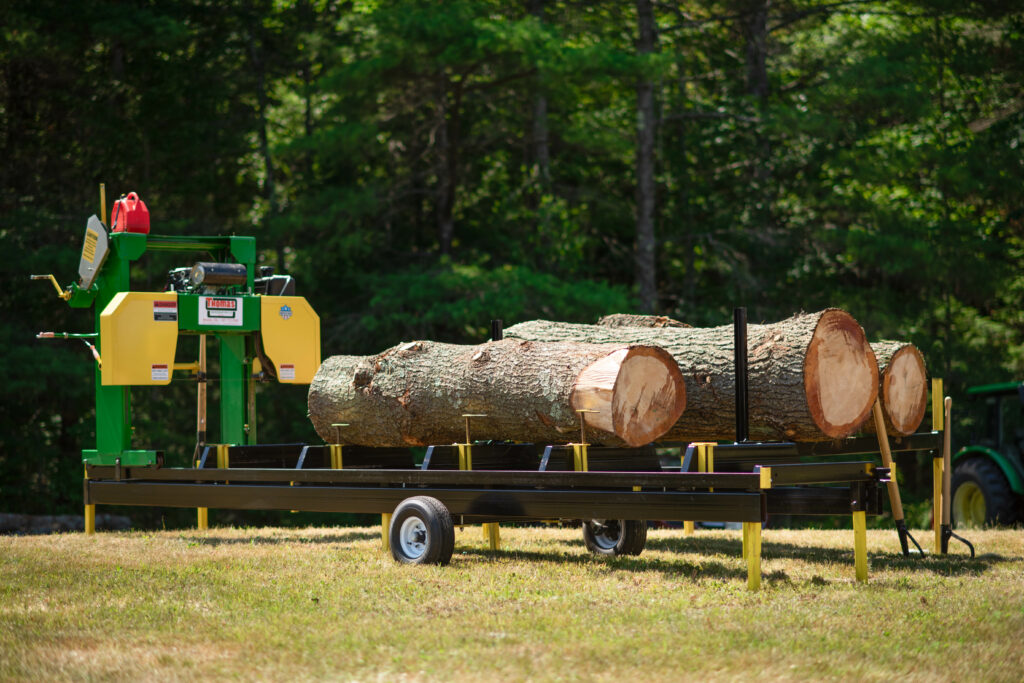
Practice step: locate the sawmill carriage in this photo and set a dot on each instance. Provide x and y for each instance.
(603, 430)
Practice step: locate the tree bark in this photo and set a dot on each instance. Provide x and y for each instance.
(645, 257)
(812, 377)
(630, 320)
(416, 394)
(903, 387)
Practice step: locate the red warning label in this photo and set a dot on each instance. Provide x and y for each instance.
(165, 311)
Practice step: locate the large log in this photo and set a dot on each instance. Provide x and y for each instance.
(812, 377)
(903, 380)
(415, 394)
(903, 387)
(634, 320)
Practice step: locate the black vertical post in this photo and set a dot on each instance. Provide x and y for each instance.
(739, 322)
(497, 331)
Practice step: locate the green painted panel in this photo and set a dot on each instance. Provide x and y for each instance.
(233, 375)
(189, 313)
(128, 458)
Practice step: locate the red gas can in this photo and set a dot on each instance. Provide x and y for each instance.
(130, 215)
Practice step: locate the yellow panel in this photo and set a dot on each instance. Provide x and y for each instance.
(138, 338)
(291, 337)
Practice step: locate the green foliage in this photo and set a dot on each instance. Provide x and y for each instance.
(456, 303)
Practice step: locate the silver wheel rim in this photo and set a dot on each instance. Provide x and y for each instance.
(606, 532)
(413, 537)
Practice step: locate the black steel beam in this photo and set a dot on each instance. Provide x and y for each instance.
(823, 500)
(505, 504)
(861, 445)
(444, 478)
(827, 473)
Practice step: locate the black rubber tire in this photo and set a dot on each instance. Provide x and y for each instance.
(614, 537)
(1000, 503)
(433, 521)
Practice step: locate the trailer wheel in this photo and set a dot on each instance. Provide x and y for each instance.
(422, 532)
(615, 536)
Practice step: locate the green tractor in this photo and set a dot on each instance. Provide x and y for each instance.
(988, 475)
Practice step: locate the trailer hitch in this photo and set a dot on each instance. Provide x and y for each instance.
(947, 533)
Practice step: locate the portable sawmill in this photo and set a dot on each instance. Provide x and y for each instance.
(265, 332)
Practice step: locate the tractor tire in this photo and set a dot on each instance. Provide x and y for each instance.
(981, 495)
(614, 537)
(422, 532)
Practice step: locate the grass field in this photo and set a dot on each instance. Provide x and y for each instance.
(326, 603)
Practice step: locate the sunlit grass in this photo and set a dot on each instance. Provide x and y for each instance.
(327, 603)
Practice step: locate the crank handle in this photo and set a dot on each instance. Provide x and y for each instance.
(64, 294)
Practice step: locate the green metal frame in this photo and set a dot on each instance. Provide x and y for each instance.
(1010, 467)
(237, 395)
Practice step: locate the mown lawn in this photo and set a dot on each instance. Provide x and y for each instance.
(326, 603)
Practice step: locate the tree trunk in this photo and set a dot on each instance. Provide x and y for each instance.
(903, 387)
(416, 394)
(812, 377)
(903, 380)
(645, 257)
(631, 320)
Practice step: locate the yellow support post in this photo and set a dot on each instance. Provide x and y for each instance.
(336, 451)
(385, 528)
(938, 423)
(90, 510)
(752, 553)
(492, 534)
(579, 457)
(860, 545)
(705, 463)
(465, 456)
(203, 519)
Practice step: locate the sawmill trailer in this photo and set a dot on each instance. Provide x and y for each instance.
(266, 333)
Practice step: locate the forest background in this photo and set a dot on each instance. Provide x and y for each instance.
(424, 167)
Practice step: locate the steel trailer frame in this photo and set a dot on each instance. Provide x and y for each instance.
(545, 485)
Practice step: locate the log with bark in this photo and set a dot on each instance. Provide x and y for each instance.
(903, 387)
(415, 394)
(812, 377)
(631, 320)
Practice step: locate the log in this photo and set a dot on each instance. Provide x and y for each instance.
(637, 321)
(812, 377)
(415, 394)
(903, 387)
(633, 321)
(902, 390)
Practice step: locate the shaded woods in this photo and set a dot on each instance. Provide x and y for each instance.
(421, 168)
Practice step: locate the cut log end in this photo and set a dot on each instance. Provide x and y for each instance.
(637, 393)
(905, 391)
(840, 375)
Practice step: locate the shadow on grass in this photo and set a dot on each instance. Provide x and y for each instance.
(710, 569)
(347, 537)
(946, 565)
